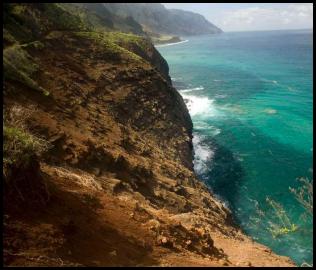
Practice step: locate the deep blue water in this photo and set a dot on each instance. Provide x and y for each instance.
(250, 96)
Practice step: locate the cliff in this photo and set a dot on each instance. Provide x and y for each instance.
(156, 18)
(114, 185)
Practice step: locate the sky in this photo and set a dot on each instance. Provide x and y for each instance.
(253, 16)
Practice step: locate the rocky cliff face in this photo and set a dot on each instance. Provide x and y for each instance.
(116, 187)
(147, 51)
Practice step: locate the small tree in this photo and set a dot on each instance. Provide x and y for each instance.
(285, 225)
(304, 195)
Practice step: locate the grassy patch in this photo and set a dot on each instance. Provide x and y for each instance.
(109, 43)
(29, 22)
(89, 19)
(7, 37)
(19, 66)
(19, 145)
(109, 46)
(20, 148)
(62, 18)
(128, 41)
(123, 38)
(20, 59)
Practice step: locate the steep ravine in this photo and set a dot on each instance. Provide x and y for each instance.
(117, 187)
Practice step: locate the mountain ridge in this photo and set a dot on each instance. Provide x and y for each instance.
(158, 19)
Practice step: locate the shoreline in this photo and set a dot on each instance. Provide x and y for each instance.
(169, 44)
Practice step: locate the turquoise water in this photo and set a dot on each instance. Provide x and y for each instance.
(250, 96)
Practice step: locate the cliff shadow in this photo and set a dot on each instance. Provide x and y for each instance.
(224, 174)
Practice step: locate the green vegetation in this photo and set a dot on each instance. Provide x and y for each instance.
(20, 59)
(163, 39)
(88, 19)
(29, 22)
(18, 9)
(126, 39)
(284, 226)
(7, 37)
(19, 66)
(304, 195)
(26, 25)
(19, 145)
(99, 18)
(110, 43)
(61, 18)
(35, 44)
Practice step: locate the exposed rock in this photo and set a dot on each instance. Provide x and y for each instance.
(165, 242)
(113, 253)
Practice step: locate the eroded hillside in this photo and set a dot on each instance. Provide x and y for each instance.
(115, 185)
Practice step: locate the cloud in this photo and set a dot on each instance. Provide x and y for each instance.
(291, 16)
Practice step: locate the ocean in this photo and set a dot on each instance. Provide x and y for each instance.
(250, 97)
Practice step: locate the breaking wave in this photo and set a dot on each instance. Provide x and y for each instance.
(191, 89)
(202, 154)
(202, 106)
(169, 44)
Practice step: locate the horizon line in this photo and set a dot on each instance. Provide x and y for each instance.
(265, 30)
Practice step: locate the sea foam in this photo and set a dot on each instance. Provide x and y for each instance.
(270, 111)
(270, 81)
(202, 106)
(191, 89)
(202, 154)
(169, 44)
(211, 130)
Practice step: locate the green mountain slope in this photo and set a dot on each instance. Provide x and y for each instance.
(156, 18)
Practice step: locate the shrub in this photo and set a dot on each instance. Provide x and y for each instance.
(20, 147)
(284, 226)
(304, 194)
